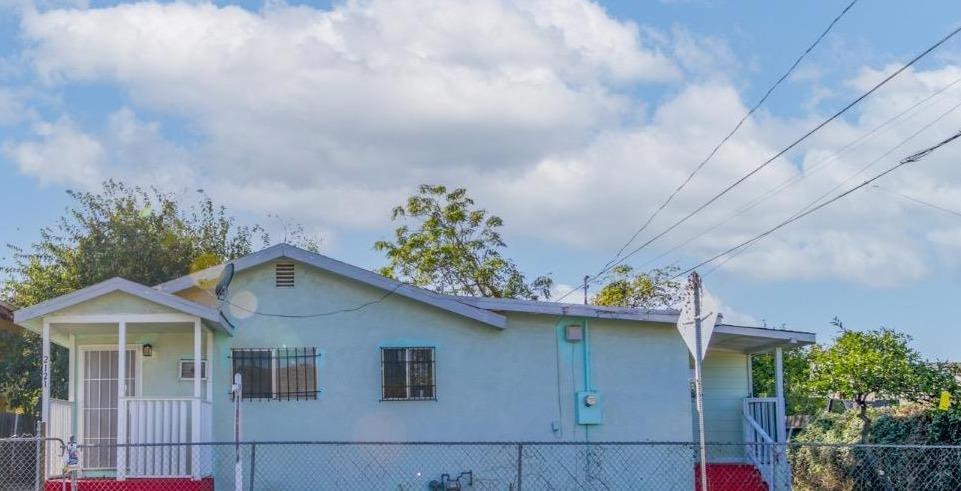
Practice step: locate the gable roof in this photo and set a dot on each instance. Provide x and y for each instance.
(117, 285)
(489, 310)
(444, 302)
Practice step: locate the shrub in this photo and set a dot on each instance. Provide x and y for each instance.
(819, 463)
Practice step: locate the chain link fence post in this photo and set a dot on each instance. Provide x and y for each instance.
(776, 475)
(41, 456)
(520, 465)
(253, 463)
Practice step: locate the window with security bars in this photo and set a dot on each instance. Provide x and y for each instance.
(407, 374)
(282, 374)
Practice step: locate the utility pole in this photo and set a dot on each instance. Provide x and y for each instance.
(587, 278)
(695, 285)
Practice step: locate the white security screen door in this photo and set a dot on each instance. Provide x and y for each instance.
(100, 404)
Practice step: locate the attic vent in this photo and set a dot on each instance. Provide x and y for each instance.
(284, 275)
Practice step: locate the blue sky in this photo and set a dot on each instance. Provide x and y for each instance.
(570, 119)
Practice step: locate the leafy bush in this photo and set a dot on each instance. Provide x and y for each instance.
(820, 463)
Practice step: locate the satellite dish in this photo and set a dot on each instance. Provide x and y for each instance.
(226, 276)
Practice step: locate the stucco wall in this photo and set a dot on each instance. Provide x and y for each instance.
(492, 384)
(160, 377)
(725, 387)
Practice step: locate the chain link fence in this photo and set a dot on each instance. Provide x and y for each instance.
(435, 466)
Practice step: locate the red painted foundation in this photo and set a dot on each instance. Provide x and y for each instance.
(731, 477)
(135, 484)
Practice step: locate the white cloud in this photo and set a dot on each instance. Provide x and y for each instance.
(949, 237)
(125, 148)
(12, 106)
(330, 117)
(61, 154)
(730, 315)
(300, 95)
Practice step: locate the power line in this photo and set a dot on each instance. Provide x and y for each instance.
(884, 155)
(786, 149)
(907, 160)
(727, 137)
(318, 314)
(918, 201)
(852, 176)
(818, 165)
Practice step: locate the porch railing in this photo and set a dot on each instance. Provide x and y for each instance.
(61, 426)
(760, 431)
(167, 421)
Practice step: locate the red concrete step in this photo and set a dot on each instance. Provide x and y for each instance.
(134, 484)
(731, 477)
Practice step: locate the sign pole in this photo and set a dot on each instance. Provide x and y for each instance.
(696, 323)
(238, 392)
(695, 282)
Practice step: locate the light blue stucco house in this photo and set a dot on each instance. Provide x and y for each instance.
(332, 352)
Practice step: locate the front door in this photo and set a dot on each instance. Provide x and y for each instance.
(99, 411)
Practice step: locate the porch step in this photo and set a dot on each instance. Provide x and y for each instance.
(134, 484)
(731, 477)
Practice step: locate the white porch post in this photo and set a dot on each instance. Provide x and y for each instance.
(195, 405)
(72, 383)
(45, 375)
(72, 369)
(121, 400)
(779, 387)
(210, 366)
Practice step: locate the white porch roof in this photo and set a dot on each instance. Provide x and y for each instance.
(752, 340)
(36, 312)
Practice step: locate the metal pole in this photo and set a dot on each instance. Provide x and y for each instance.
(520, 465)
(238, 392)
(698, 384)
(41, 456)
(253, 463)
(780, 429)
(587, 280)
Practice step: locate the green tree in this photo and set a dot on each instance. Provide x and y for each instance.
(454, 248)
(868, 365)
(798, 397)
(143, 235)
(640, 290)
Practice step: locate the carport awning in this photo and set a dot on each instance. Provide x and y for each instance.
(757, 339)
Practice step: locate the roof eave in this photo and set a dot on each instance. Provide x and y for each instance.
(144, 292)
(343, 269)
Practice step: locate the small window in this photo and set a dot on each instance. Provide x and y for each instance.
(186, 369)
(407, 374)
(277, 373)
(284, 275)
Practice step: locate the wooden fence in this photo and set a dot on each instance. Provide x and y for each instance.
(17, 424)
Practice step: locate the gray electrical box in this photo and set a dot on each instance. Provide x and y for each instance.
(588, 404)
(574, 333)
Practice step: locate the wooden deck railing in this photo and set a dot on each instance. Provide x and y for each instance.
(760, 430)
(166, 421)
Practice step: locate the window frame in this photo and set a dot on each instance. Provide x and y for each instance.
(275, 394)
(180, 370)
(408, 385)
